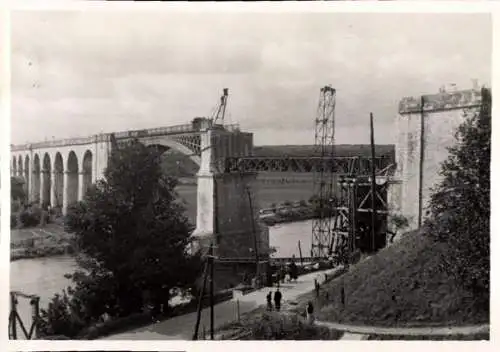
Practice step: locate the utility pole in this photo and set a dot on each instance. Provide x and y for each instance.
(421, 163)
(373, 183)
(255, 242)
(200, 303)
(211, 261)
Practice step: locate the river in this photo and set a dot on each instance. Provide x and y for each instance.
(45, 276)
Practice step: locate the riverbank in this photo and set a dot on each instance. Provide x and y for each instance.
(287, 214)
(39, 242)
(41, 252)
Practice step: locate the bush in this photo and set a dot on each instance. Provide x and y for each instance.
(13, 221)
(400, 222)
(31, 218)
(60, 318)
(283, 327)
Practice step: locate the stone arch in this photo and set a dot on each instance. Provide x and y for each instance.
(72, 178)
(20, 172)
(164, 149)
(27, 175)
(46, 179)
(36, 179)
(58, 181)
(171, 144)
(14, 166)
(86, 172)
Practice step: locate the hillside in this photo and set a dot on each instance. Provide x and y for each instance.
(403, 285)
(177, 164)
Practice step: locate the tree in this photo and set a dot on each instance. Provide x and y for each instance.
(459, 211)
(133, 237)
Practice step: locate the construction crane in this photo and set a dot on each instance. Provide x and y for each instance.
(323, 179)
(218, 118)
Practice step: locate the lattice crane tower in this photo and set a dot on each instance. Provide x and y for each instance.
(324, 177)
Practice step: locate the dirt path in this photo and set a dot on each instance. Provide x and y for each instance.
(423, 331)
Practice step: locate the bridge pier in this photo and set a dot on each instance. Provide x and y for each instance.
(227, 209)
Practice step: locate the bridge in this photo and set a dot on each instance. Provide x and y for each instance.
(59, 172)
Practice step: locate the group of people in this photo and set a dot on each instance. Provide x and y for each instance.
(277, 300)
(277, 305)
(287, 273)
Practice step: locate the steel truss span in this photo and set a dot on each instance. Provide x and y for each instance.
(349, 166)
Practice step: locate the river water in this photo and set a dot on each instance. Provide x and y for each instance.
(45, 276)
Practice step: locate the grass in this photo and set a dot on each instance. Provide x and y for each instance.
(262, 325)
(404, 285)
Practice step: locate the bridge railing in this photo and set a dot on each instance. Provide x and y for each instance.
(151, 132)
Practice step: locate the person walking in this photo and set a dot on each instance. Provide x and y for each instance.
(316, 287)
(310, 313)
(294, 271)
(269, 299)
(277, 300)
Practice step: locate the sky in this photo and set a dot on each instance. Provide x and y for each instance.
(80, 73)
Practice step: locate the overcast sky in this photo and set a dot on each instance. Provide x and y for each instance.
(80, 73)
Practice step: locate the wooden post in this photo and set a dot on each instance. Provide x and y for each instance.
(13, 314)
(238, 309)
(342, 295)
(300, 254)
(36, 316)
(373, 183)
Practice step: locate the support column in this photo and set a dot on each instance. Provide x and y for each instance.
(53, 190)
(42, 186)
(33, 188)
(205, 190)
(28, 182)
(81, 186)
(65, 193)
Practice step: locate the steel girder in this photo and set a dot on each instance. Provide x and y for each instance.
(349, 166)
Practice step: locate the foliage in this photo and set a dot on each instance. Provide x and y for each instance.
(60, 317)
(31, 216)
(17, 189)
(132, 237)
(460, 205)
(13, 221)
(399, 222)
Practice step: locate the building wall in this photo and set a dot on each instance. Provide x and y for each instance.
(442, 114)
